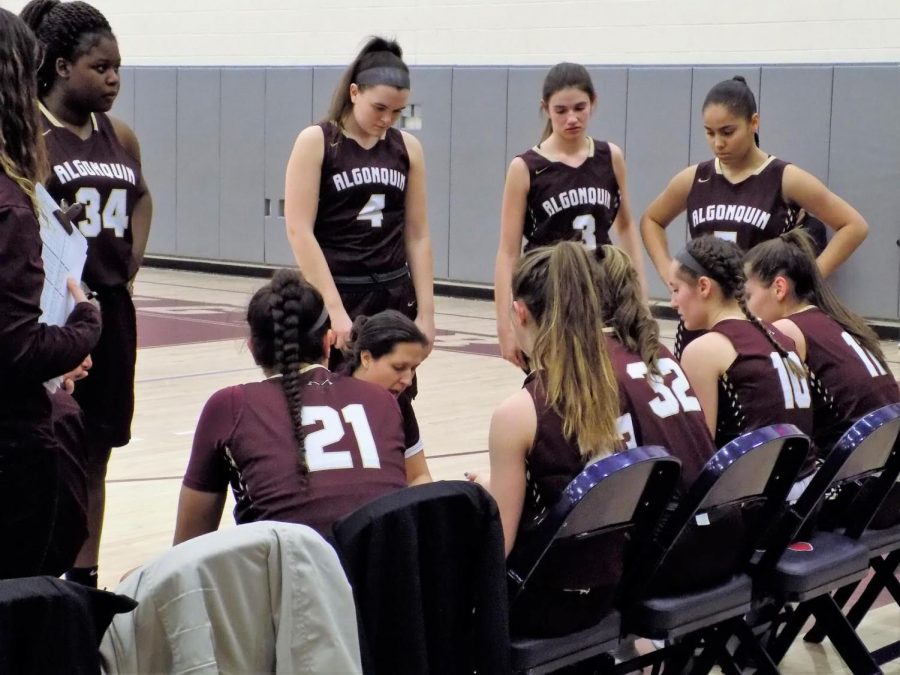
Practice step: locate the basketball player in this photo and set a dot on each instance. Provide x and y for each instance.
(30, 352)
(745, 195)
(658, 405)
(95, 160)
(303, 446)
(563, 418)
(355, 199)
(569, 187)
(385, 349)
(849, 375)
(746, 374)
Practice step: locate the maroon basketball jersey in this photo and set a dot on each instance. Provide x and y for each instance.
(661, 411)
(553, 460)
(746, 213)
(354, 449)
(362, 203)
(759, 388)
(551, 464)
(847, 380)
(571, 203)
(99, 173)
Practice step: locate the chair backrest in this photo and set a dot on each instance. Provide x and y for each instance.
(866, 448)
(715, 527)
(624, 492)
(427, 569)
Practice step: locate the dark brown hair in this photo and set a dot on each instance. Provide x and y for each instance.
(723, 262)
(287, 330)
(379, 334)
(793, 256)
(565, 75)
(376, 53)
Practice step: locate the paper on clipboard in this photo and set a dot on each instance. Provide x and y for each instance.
(64, 254)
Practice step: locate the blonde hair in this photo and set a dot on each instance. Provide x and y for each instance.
(557, 286)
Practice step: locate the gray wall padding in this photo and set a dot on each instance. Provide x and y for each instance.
(215, 142)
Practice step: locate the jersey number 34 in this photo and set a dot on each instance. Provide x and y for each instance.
(111, 216)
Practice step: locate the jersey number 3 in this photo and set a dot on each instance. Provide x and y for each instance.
(114, 215)
(332, 431)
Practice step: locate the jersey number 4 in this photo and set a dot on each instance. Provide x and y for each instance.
(332, 431)
(114, 215)
(373, 211)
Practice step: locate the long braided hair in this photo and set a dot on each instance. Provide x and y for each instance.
(66, 30)
(723, 260)
(23, 156)
(792, 255)
(286, 331)
(623, 309)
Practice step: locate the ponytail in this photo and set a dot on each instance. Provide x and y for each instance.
(622, 306)
(380, 61)
(792, 255)
(558, 288)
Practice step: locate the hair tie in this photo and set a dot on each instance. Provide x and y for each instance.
(323, 317)
(689, 261)
(388, 75)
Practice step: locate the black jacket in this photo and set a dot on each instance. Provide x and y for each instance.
(428, 574)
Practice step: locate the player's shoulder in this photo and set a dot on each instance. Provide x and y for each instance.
(708, 348)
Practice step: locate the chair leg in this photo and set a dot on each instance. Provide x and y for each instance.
(750, 644)
(681, 655)
(713, 649)
(841, 597)
(885, 569)
(843, 637)
(883, 577)
(779, 643)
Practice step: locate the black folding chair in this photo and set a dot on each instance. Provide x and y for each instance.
(691, 586)
(613, 504)
(809, 571)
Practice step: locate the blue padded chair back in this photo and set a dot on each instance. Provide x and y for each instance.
(868, 447)
(755, 470)
(623, 491)
(873, 443)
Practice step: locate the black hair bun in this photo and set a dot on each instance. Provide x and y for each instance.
(740, 78)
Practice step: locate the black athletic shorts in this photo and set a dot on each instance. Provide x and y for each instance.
(369, 299)
(106, 395)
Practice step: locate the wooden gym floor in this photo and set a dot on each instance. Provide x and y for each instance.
(191, 334)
